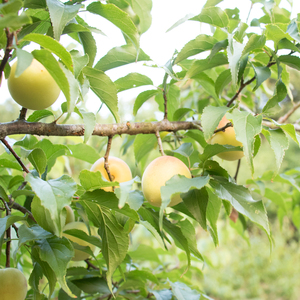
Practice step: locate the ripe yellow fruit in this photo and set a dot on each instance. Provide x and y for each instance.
(35, 88)
(79, 255)
(70, 217)
(157, 173)
(13, 284)
(119, 170)
(227, 137)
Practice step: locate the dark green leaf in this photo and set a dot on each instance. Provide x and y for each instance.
(261, 74)
(290, 60)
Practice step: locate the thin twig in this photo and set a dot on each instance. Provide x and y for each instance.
(23, 112)
(229, 124)
(90, 265)
(11, 150)
(8, 49)
(237, 170)
(160, 146)
(106, 166)
(8, 236)
(289, 113)
(22, 209)
(165, 97)
(249, 12)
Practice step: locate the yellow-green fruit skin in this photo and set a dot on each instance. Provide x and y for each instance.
(157, 173)
(70, 217)
(35, 88)
(13, 284)
(227, 137)
(118, 169)
(79, 255)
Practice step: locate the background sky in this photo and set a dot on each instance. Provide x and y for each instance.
(156, 42)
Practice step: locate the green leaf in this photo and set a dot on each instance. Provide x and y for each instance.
(246, 127)
(290, 130)
(241, 32)
(120, 56)
(173, 94)
(255, 42)
(211, 118)
(241, 199)
(57, 252)
(94, 180)
(223, 80)
(290, 60)
(51, 197)
(261, 74)
(6, 222)
(212, 15)
(181, 112)
(212, 213)
(118, 17)
(89, 120)
(287, 44)
(275, 33)
(181, 21)
(52, 45)
(222, 45)
(179, 184)
(142, 98)
(144, 253)
(35, 3)
(39, 115)
(296, 216)
(200, 44)
(279, 95)
(14, 21)
(60, 15)
(276, 198)
(84, 152)
(132, 80)
(38, 159)
(183, 292)
(52, 66)
(205, 64)
(185, 149)
(108, 200)
(234, 52)
(115, 242)
(24, 61)
(6, 163)
(143, 10)
(10, 7)
(279, 143)
(143, 144)
(212, 3)
(79, 62)
(196, 202)
(104, 88)
(92, 285)
(88, 42)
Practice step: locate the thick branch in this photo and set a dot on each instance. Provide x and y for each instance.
(52, 129)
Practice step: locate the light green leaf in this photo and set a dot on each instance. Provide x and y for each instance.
(38, 159)
(6, 163)
(84, 152)
(255, 42)
(89, 120)
(132, 80)
(144, 252)
(120, 56)
(212, 15)
(143, 10)
(185, 149)
(24, 61)
(211, 118)
(279, 143)
(39, 115)
(14, 21)
(115, 242)
(275, 197)
(241, 199)
(222, 81)
(52, 45)
(51, 197)
(60, 15)
(296, 216)
(143, 144)
(205, 64)
(290, 130)
(275, 33)
(104, 88)
(118, 17)
(57, 252)
(200, 44)
(142, 98)
(10, 7)
(183, 292)
(180, 113)
(246, 127)
(234, 52)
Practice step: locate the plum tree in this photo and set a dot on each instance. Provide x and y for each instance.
(118, 168)
(79, 255)
(35, 88)
(227, 137)
(13, 284)
(157, 173)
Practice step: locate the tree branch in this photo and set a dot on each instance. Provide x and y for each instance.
(289, 113)
(106, 165)
(8, 49)
(160, 146)
(8, 236)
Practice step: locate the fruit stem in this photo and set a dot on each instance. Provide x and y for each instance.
(160, 146)
(106, 166)
(23, 112)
